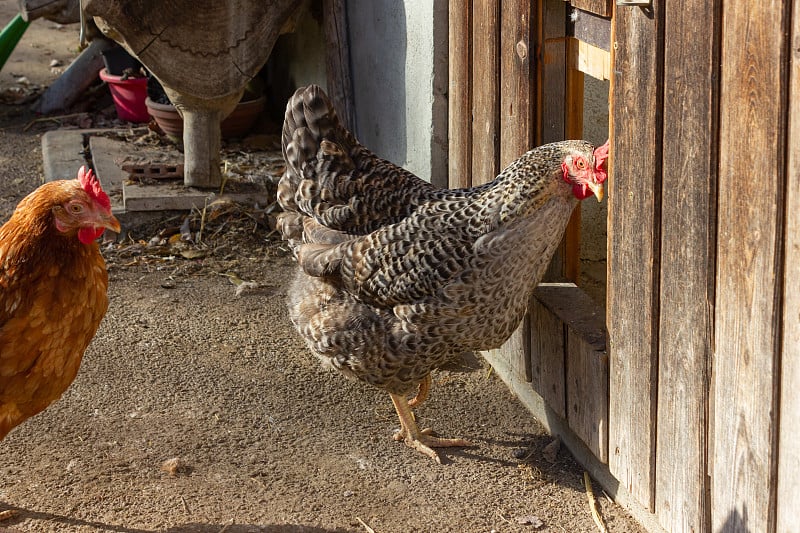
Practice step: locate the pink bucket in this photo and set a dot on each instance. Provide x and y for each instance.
(129, 96)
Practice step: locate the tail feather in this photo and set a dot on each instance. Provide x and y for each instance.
(335, 180)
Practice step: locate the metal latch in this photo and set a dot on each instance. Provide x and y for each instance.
(640, 3)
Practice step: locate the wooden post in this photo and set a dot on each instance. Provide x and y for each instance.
(688, 233)
(788, 450)
(633, 251)
(337, 61)
(460, 96)
(749, 285)
(485, 91)
(516, 133)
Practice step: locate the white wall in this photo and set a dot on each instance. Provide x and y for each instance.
(398, 54)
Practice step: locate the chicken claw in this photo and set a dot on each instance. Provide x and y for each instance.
(423, 441)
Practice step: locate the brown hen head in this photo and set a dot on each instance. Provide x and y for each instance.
(74, 208)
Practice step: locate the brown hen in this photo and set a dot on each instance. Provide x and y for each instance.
(53, 285)
(397, 277)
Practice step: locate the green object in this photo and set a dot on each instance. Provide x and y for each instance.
(10, 36)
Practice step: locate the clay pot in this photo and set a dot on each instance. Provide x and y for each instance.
(129, 96)
(237, 124)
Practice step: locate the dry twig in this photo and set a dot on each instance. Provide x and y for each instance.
(369, 529)
(593, 504)
(9, 513)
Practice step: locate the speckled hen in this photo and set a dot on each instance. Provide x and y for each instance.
(396, 276)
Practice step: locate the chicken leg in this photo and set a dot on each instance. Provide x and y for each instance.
(420, 440)
(422, 392)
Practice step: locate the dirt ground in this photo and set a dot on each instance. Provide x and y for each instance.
(260, 437)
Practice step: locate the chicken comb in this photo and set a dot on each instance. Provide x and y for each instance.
(92, 187)
(600, 156)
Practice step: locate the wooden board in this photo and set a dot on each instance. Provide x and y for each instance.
(516, 133)
(687, 268)
(485, 91)
(633, 251)
(460, 96)
(547, 345)
(337, 61)
(788, 498)
(598, 7)
(587, 394)
(585, 369)
(749, 285)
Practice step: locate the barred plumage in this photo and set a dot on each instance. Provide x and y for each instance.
(396, 276)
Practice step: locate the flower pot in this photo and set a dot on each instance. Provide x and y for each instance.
(237, 124)
(129, 96)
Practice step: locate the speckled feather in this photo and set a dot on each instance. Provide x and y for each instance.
(397, 277)
(52, 299)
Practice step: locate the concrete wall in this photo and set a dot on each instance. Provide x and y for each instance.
(398, 54)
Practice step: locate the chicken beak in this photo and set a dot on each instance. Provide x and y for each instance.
(598, 189)
(109, 221)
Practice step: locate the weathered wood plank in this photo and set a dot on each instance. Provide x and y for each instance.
(591, 29)
(548, 347)
(485, 91)
(517, 95)
(788, 493)
(598, 7)
(586, 373)
(517, 103)
(460, 96)
(687, 269)
(633, 252)
(337, 61)
(749, 285)
(587, 394)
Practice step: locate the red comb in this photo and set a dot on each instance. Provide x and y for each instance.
(92, 187)
(600, 156)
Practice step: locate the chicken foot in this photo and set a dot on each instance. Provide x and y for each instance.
(421, 440)
(422, 392)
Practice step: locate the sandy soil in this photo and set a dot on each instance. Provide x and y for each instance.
(260, 437)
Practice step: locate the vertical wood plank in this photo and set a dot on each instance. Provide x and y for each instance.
(337, 61)
(485, 91)
(688, 233)
(517, 101)
(749, 266)
(547, 357)
(573, 129)
(788, 492)
(633, 252)
(460, 96)
(517, 95)
(587, 393)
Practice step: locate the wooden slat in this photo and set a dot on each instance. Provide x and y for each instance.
(633, 252)
(598, 7)
(587, 394)
(552, 96)
(517, 95)
(749, 266)
(788, 492)
(547, 346)
(485, 91)
(337, 61)
(460, 96)
(687, 272)
(517, 101)
(573, 129)
(591, 29)
(586, 372)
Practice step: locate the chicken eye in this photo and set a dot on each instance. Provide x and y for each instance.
(75, 209)
(581, 164)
